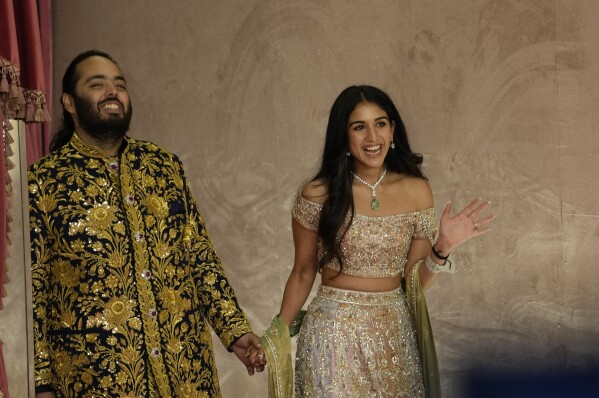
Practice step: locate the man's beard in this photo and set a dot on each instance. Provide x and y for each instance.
(109, 128)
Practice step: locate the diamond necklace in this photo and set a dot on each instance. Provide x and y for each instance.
(375, 203)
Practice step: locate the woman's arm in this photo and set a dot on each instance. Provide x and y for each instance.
(304, 271)
(419, 249)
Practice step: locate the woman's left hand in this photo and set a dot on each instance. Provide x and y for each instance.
(453, 231)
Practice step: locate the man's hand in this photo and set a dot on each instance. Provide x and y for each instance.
(249, 351)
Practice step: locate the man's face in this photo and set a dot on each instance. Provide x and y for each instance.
(100, 102)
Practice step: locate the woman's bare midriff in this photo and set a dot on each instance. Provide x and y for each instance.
(332, 278)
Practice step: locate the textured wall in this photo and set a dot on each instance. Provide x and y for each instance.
(499, 96)
(15, 330)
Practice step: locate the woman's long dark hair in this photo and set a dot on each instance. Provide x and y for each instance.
(336, 167)
(69, 81)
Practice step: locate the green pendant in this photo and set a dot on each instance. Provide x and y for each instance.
(374, 204)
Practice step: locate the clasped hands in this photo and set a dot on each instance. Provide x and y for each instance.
(250, 352)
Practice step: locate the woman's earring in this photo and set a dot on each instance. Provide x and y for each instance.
(347, 154)
(392, 145)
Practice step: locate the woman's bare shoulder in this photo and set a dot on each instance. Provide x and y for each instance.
(416, 189)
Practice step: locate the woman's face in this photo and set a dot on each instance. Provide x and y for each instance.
(369, 135)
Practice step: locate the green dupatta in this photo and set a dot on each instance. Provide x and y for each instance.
(426, 344)
(277, 347)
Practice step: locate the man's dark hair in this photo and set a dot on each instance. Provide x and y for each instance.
(69, 81)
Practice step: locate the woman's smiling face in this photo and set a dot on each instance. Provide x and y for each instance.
(369, 136)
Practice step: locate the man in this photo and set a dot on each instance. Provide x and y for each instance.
(125, 278)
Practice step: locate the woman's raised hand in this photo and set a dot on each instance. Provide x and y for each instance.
(453, 231)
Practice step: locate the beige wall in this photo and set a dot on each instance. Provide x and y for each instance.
(15, 329)
(499, 96)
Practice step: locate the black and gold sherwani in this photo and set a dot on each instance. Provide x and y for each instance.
(125, 278)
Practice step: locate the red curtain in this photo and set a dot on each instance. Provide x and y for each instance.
(25, 91)
(26, 67)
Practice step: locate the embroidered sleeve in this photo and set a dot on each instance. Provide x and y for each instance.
(217, 298)
(41, 203)
(426, 226)
(306, 213)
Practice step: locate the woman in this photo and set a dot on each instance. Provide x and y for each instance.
(363, 221)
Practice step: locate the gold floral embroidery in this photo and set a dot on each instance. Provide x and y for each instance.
(119, 228)
(174, 345)
(101, 216)
(116, 260)
(162, 250)
(67, 319)
(67, 275)
(78, 245)
(177, 181)
(156, 205)
(129, 355)
(148, 181)
(76, 227)
(228, 307)
(117, 312)
(121, 378)
(112, 282)
(210, 279)
(64, 365)
(135, 323)
(91, 191)
(150, 221)
(76, 196)
(47, 203)
(173, 302)
(93, 164)
(102, 182)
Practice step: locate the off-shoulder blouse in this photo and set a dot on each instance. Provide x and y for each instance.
(373, 247)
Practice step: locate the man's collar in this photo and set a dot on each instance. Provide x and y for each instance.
(93, 151)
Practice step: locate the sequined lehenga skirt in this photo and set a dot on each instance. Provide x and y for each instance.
(357, 344)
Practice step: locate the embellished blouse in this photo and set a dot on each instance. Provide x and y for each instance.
(125, 278)
(373, 247)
